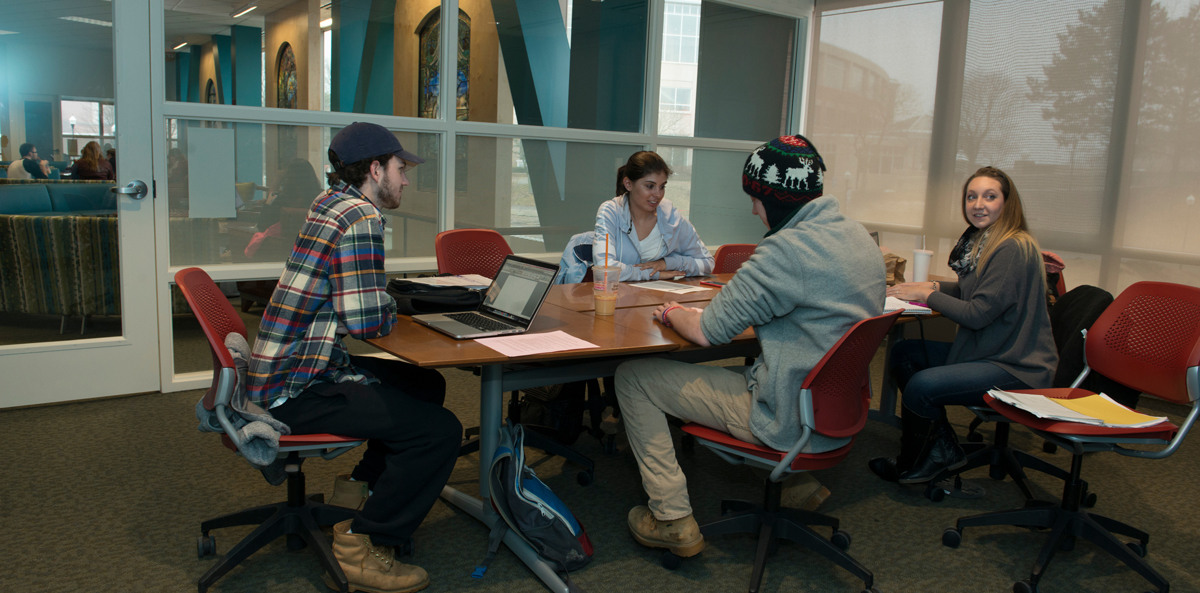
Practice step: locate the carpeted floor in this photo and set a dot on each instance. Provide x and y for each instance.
(108, 496)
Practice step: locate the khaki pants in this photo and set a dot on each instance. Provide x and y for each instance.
(648, 390)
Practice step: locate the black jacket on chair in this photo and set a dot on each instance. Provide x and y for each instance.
(1077, 310)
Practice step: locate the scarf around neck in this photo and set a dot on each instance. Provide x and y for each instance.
(964, 257)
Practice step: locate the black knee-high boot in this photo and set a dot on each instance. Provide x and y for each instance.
(941, 451)
(913, 432)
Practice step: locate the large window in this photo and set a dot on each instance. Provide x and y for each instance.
(86, 121)
(1102, 147)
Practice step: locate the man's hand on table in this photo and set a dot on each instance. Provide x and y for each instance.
(685, 320)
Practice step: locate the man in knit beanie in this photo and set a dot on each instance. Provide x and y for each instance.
(784, 175)
(814, 275)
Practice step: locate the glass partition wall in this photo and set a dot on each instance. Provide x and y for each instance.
(523, 118)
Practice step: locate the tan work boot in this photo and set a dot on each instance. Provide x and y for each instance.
(803, 491)
(372, 568)
(348, 493)
(681, 536)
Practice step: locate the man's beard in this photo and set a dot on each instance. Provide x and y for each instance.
(388, 195)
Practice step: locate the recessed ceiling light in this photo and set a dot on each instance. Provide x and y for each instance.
(327, 23)
(245, 10)
(8, 32)
(181, 45)
(79, 19)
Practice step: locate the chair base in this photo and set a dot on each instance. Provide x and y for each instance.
(771, 522)
(1067, 522)
(300, 518)
(1002, 461)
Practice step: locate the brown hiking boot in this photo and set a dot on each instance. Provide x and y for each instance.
(803, 491)
(348, 493)
(372, 568)
(681, 536)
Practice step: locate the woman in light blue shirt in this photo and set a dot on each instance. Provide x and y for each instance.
(647, 237)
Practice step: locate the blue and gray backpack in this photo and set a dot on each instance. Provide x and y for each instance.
(531, 510)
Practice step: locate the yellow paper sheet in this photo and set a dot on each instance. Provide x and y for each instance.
(1112, 413)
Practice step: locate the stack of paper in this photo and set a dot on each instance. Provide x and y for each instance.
(894, 304)
(666, 286)
(474, 280)
(1099, 409)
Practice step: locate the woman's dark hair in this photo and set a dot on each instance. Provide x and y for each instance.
(295, 187)
(356, 173)
(639, 165)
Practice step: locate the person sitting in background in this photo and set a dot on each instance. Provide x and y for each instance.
(813, 276)
(1003, 341)
(286, 206)
(28, 166)
(110, 153)
(91, 165)
(647, 237)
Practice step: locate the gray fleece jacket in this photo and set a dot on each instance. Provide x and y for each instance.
(1000, 309)
(802, 289)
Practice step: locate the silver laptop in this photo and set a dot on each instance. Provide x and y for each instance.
(511, 302)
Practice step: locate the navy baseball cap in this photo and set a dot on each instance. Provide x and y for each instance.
(362, 140)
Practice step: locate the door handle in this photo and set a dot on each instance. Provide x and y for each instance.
(136, 189)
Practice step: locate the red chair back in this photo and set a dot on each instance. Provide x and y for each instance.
(840, 383)
(470, 251)
(1148, 339)
(216, 316)
(730, 257)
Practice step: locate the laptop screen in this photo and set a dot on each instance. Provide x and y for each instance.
(519, 289)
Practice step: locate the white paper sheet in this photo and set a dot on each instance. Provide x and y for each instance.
(666, 286)
(894, 304)
(464, 280)
(529, 344)
(1042, 407)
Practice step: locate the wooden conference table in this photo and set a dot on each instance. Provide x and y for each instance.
(631, 332)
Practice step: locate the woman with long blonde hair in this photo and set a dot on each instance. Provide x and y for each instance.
(1003, 340)
(91, 165)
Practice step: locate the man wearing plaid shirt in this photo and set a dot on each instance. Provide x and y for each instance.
(332, 285)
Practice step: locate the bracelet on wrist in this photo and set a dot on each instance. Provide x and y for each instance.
(665, 321)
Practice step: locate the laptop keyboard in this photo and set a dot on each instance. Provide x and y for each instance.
(478, 321)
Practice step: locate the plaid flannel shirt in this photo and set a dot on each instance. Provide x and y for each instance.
(335, 273)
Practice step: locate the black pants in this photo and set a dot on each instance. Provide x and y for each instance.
(412, 441)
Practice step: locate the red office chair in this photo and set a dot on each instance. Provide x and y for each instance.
(834, 399)
(470, 251)
(1149, 340)
(731, 256)
(301, 517)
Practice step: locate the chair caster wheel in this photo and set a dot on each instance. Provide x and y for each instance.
(1024, 587)
(841, 539)
(585, 478)
(1048, 447)
(670, 561)
(935, 494)
(974, 437)
(951, 537)
(1088, 499)
(1137, 548)
(206, 545)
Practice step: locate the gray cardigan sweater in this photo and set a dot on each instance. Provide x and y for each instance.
(1000, 309)
(802, 289)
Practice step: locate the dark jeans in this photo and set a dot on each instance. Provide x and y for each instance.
(928, 383)
(412, 441)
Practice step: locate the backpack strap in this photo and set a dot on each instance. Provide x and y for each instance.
(495, 538)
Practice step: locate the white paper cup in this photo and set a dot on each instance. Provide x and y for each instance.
(921, 259)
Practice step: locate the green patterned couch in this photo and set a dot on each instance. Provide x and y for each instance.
(59, 265)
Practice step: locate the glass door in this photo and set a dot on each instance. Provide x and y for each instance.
(77, 267)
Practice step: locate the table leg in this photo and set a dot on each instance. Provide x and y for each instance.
(887, 391)
(491, 396)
